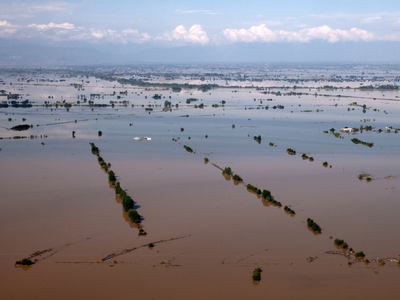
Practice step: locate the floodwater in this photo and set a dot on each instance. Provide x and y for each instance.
(209, 232)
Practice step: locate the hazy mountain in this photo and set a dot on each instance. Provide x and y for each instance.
(14, 52)
(20, 53)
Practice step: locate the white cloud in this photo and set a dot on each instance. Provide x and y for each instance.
(125, 36)
(51, 6)
(195, 35)
(7, 29)
(262, 33)
(69, 32)
(62, 25)
(371, 19)
(5, 24)
(67, 26)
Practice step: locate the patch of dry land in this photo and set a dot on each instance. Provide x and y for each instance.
(211, 194)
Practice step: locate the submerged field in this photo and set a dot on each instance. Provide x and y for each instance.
(209, 231)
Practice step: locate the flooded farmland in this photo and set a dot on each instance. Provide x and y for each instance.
(277, 128)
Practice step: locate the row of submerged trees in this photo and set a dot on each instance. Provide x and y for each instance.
(127, 201)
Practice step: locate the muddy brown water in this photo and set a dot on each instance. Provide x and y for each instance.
(56, 196)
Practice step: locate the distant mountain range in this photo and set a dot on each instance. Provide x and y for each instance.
(20, 53)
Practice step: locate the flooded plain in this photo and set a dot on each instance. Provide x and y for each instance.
(208, 230)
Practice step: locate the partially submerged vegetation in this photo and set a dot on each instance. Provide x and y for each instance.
(24, 262)
(127, 202)
(341, 244)
(289, 210)
(258, 139)
(313, 226)
(188, 149)
(227, 171)
(237, 178)
(256, 276)
(357, 141)
(290, 151)
(21, 127)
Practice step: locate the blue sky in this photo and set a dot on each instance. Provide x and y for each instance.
(200, 23)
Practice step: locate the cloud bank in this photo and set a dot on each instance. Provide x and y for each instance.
(263, 34)
(69, 32)
(195, 35)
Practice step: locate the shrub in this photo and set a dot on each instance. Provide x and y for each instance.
(95, 150)
(237, 177)
(290, 151)
(360, 254)
(24, 262)
(266, 194)
(134, 216)
(111, 177)
(289, 210)
(227, 171)
(188, 149)
(252, 188)
(127, 202)
(313, 226)
(256, 274)
(304, 156)
(338, 242)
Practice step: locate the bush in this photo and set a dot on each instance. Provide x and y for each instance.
(111, 177)
(313, 226)
(338, 242)
(227, 171)
(134, 216)
(95, 150)
(360, 254)
(266, 194)
(24, 262)
(289, 210)
(188, 149)
(127, 202)
(290, 151)
(256, 274)
(237, 177)
(252, 188)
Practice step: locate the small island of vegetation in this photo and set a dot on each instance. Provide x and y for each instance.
(357, 141)
(313, 226)
(290, 151)
(256, 276)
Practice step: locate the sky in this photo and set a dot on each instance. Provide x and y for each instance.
(173, 24)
